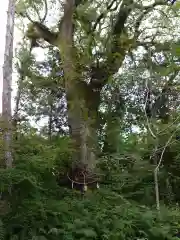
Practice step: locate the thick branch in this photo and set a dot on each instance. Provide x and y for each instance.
(118, 47)
(117, 53)
(39, 31)
(122, 17)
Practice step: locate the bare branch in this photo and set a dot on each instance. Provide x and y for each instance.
(118, 45)
(102, 15)
(25, 15)
(46, 11)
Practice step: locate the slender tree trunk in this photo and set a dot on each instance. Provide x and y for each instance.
(50, 121)
(7, 81)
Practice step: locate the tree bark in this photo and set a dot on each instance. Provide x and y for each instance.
(7, 81)
(83, 123)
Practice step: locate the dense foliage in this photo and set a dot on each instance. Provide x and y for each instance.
(132, 54)
(123, 207)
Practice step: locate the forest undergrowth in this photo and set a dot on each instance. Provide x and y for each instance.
(34, 205)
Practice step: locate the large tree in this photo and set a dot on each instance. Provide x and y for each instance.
(93, 40)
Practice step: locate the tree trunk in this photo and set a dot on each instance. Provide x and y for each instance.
(83, 123)
(83, 106)
(82, 98)
(7, 81)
